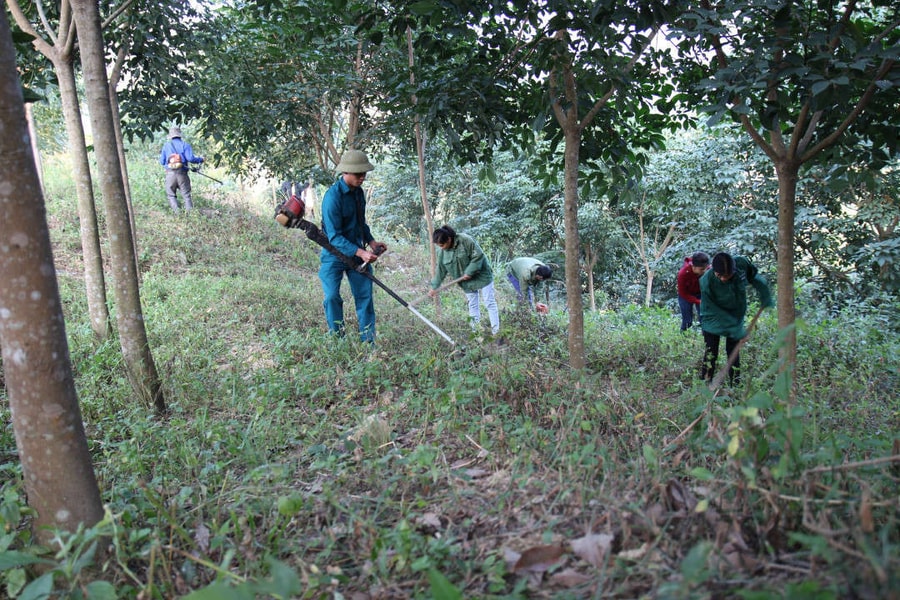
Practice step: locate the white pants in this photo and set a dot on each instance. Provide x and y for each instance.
(490, 302)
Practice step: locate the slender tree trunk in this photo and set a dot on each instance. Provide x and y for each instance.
(115, 74)
(590, 260)
(129, 316)
(56, 464)
(60, 53)
(94, 277)
(573, 248)
(420, 155)
(788, 173)
(32, 133)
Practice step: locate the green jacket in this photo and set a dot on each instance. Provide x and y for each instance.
(523, 269)
(723, 304)
(464, 258)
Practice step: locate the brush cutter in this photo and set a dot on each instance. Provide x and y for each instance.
(290, 214)
(197, 171)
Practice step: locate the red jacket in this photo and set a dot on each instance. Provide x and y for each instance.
(688, 283)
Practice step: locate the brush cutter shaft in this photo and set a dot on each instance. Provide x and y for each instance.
(316, 235)
(197, 171)
(430, 324)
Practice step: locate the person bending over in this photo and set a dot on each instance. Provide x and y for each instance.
(723, 305)
(460, 256)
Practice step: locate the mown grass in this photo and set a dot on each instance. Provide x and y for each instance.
(297, 465)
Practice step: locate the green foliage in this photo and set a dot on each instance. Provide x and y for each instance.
(515, 216)
(164, 45)
(811, 67)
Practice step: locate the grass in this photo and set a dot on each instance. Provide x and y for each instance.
(294, 465)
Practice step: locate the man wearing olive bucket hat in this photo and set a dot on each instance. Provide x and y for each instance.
(344, 223)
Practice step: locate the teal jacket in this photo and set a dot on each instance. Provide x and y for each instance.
(723, 304)
(344, 219)
(464, 258)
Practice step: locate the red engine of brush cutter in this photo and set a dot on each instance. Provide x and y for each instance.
(290, 212)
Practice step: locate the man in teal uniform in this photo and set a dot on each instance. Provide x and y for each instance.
(344, 223)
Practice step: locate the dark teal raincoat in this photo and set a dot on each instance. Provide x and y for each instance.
(723, 304)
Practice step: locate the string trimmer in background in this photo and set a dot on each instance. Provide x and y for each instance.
(290, 214)
(197, 171)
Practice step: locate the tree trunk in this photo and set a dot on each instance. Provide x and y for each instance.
(590, 261)
(577, 360)
(787, 172)
(129, 317)
(420, 154)
(60, 53)
(32, 133)
(94, 277)
(115, 74)
(56, 464)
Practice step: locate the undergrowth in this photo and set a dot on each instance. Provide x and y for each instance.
(296, 465)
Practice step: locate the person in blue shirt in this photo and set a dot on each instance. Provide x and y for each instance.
(175, 156)
(344, 224)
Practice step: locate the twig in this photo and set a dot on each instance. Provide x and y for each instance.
(687, 429)
(853, 465)
(225, 573)
(820, 501)
(474, 443)
(792, 569)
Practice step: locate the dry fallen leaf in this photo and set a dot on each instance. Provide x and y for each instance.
(539, 558)
(477, 473)
(511, 557)
(635, 554)
(680, 497)
(593, 548)
(429, 522)
(656, 513)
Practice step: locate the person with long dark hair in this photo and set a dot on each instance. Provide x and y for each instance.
(688, 285)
